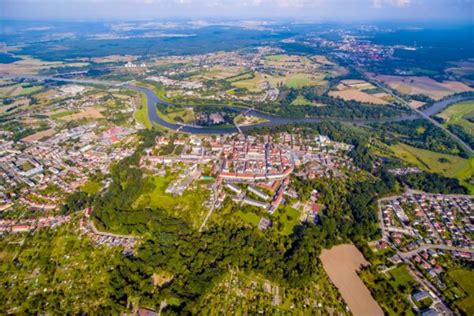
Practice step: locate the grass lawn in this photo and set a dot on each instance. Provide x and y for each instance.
(465, 279)
(249, 217)
(400, 277)
(91, 187)
(427, 160)
(289, 218)
(178, 115)
(141, 114)
(188, 206)
(301, 100)
(458, 113)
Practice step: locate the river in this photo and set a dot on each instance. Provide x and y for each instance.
(273, 120)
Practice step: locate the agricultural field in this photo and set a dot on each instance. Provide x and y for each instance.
(39, 135)
(303, 80)
(463, 70)
(447, 165)
(253, 84)
(459, 114)
(341, 264)
(114, 59)
(30, 66)
(413, 85)
(87, 113)
(361, 91)
(16, 90)
(220, 72)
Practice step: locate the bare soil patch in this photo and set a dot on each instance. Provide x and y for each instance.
(88, 113)
(341, 263)
(356, 95)
(37, 136)
(416, 104)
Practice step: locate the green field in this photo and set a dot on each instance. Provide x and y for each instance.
(17, 90)
(465, 279)
(91, 187)
(427, 160)
(250, 84)
(63, 114)
(301, 100)
(302, 80)
(249, 217)
(178, 115)
(289, 218)
(141, 114)
(30, 90)
(188, 206)
(458, 113)
(400, 277)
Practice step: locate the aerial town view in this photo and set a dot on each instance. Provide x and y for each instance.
(274, 157)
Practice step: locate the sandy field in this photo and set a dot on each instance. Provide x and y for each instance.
(114, 58)
(416, 104)
(341, 263)
(356, 95)
(39, 135)
(88, 113)
(424, 85)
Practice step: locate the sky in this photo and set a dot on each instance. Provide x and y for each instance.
(347, 10)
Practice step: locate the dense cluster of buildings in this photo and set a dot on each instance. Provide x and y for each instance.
(416, 218)
(250, 170)
(27, 225)
(64, 161)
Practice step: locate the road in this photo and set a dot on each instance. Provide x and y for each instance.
(411, 253)
(214, 189)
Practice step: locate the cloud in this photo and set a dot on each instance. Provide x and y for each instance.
(393, 3)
